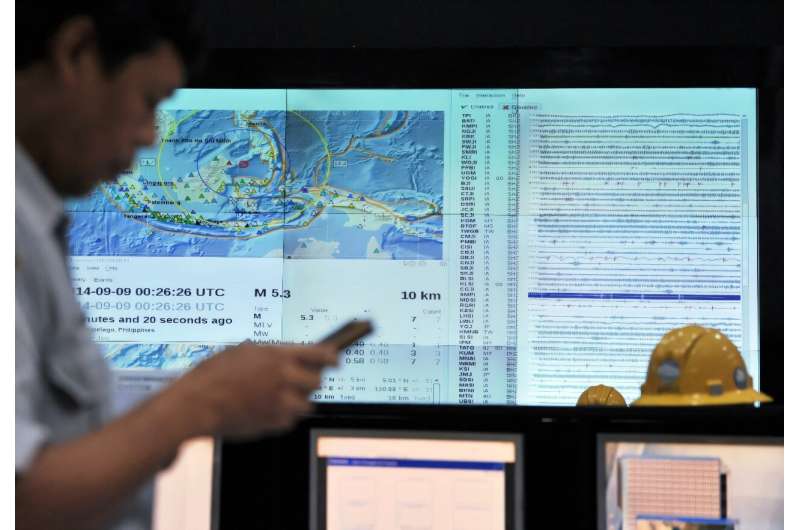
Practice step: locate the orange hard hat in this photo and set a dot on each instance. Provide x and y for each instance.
(694, 365)
(601, 395)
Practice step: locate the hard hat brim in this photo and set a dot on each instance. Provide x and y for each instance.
(738, 397)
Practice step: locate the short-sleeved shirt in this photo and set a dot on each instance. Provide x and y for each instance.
(63, 384)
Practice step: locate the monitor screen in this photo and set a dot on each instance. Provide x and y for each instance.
(385, 479)
(512, 246)
(186, 493)
(648, 482)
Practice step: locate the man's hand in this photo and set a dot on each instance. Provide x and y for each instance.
(249, 389)
(243, 391)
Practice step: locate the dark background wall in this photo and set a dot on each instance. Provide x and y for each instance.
(493, 24)
(526, 44)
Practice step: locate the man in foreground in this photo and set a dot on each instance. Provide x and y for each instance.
(88, 78)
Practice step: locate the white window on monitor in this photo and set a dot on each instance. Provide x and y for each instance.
(414, 480)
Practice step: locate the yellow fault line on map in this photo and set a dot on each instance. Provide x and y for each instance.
(324, 145)
(177, 201)
(317, 191)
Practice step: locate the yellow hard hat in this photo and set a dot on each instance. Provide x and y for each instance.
(601, 395)
(694, 365)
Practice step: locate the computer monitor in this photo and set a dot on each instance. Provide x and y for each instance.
(187, 493)
(406, 479)
(664, 482)
(512, 246)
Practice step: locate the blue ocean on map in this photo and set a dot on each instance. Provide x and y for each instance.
(374, 237)
(300, 185)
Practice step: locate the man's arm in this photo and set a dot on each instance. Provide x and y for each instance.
(79, 483)
(243, 391)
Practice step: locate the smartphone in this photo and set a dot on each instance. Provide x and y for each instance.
(348, 334)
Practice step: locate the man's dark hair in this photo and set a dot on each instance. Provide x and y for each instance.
(123, 28)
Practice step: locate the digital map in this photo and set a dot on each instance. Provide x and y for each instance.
(297, 185)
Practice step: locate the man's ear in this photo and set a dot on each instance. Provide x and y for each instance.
(71, 47)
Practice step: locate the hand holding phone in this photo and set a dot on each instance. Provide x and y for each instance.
(348, 334)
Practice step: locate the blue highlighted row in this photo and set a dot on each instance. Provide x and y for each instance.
(430, 464)
(639, 296)
(691, 520)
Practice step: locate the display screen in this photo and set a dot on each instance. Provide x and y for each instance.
(186, 493)
(387, 480)
(511, 246)
(651, 483)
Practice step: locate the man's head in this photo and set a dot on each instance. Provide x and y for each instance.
(88, 78)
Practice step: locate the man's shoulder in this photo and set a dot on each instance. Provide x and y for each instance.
(37, 205)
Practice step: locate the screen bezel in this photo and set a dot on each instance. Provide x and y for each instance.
(315, 433)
